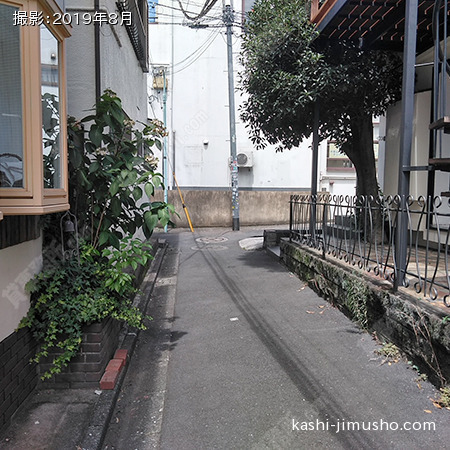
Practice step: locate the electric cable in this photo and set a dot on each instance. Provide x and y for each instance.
(166, 14)
(205, 10)
(211, 35)
(198, 55)
(204, 17)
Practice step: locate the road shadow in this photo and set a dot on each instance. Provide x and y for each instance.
(259, 259)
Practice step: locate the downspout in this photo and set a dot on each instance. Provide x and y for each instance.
(97, 53)
(165, 158)
(172, 96)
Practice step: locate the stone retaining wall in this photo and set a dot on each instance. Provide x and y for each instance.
(419, 328)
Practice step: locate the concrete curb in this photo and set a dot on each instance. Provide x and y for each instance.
(162, 367)
(102, 412)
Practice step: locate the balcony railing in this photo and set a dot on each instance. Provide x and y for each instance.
(137, 28)
(362, 232)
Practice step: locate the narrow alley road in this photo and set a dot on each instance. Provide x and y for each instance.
(242, 355)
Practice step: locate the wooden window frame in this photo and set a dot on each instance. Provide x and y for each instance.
(33, 198)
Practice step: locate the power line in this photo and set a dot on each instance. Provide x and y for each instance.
(205, 10)
(204, 16)
(211, 36)
(197, 56)
(188, 14)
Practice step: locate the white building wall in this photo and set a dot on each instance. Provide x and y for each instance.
(421, 137)
(420, 146)
(18, 264)
(197, 108)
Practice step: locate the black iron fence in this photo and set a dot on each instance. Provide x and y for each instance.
(404, 241)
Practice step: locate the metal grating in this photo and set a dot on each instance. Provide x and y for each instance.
(375, 24)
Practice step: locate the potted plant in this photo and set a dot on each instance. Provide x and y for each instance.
(112, 179)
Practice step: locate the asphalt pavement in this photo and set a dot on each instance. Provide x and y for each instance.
(241, 354)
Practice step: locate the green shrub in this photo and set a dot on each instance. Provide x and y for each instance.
(71, 294)
(112, 180)
(112, 174)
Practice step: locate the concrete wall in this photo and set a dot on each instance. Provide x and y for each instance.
(211, 208)
(421, 136)
(419, 152)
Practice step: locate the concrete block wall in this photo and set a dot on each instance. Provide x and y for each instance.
(212, 208)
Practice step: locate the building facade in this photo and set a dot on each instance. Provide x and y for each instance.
(56, 57)
(189, 50)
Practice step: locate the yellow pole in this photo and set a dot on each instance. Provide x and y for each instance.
(182, 203)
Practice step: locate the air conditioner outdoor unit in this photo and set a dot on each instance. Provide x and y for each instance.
(245, 159)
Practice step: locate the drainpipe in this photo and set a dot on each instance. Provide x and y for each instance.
(98, 91)
(165, 159)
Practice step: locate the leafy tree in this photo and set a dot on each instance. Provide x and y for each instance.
(112, 175)
(112, 181)
(288, 68)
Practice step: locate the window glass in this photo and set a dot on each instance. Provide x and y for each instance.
(11, 135)
(376, 131)
(50, 109)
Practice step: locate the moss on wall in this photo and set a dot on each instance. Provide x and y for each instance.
(416, 327)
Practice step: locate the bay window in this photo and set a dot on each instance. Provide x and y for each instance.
(33, 149)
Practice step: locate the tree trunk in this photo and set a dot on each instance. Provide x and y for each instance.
(359, 149)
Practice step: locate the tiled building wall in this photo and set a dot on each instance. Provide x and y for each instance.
(18, 377)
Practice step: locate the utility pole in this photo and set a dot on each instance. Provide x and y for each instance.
(228, 17)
